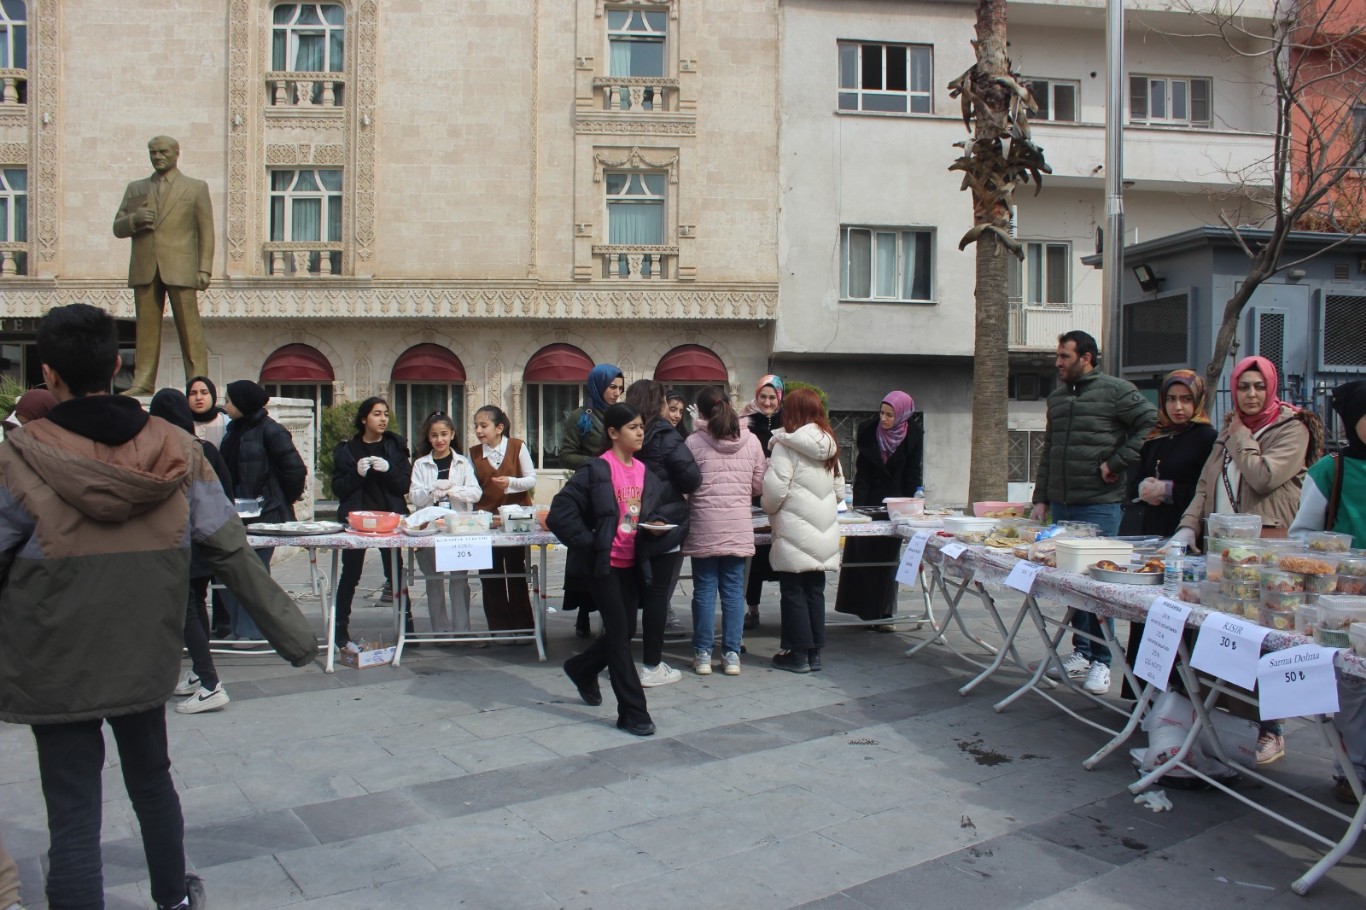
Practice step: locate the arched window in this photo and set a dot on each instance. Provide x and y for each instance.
(427, 378)
(300, 371)
(554, 378)
(690, 368)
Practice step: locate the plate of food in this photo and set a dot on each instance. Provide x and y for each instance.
(295, 528)
(1150, 573)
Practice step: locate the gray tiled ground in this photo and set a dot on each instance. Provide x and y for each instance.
(476, 778)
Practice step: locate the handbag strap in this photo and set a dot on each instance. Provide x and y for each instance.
(1334, 495)
(1228, 487)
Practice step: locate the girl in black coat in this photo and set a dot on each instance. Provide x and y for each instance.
(670, 462)
(890, 462)
(370, 471)
(596, 515)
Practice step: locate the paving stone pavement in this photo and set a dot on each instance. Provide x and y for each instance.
(476, 778)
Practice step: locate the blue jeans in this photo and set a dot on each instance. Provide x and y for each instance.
(710, 573)
(243, 626)
(1107, 516)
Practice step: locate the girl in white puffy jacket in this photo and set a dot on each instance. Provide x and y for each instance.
(443, 475)
(802, 490)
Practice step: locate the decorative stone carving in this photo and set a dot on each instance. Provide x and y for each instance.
(583, 229)
(240, 94)
(304, 153)
(671, 4)
(44, 66)
(366, 103)
(635, 159)
(362, 372)
(516, 415)
(605, 123)
(687, 231)
(15, 153)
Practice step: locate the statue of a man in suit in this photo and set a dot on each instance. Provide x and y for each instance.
(170, 219)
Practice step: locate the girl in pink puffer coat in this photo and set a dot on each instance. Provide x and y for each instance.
(721, 534)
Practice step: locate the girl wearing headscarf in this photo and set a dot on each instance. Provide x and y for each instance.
(210, 421)
(889, 464)
(582, 439)
(1259, 459)
(1257, 466)
(1175, 452)
(763, 414)
(1343, 496)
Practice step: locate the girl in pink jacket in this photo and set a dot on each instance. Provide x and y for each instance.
(721, 535)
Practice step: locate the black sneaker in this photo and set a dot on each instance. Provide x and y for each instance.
(194, 895)
(385, 595)
(813, 659)
(792, 661)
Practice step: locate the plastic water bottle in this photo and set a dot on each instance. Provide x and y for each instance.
(919, 492)
(1172, 567)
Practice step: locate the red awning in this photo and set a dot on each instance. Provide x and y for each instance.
(297, 363)
(558, 363)
(690, 363)
(428, 363)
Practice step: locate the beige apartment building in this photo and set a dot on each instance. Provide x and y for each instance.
(446, 202)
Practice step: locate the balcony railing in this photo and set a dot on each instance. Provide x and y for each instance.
(1038, 327)
(13, 86)
(637, 94)
(305, 90)
(303, 258)
(13, 258)
(636, 263)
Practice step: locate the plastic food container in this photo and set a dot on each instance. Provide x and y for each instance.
(1357, 634)
(1229, 524)
(1320, 583)
(374, 522)
(1307, 619)
(1238, 551)
(1337, 613)
(1280, 620)
(1277, 548)
(906, 507)
(1240, 590)
(1326, 541)
(1351, 584)
(1352, 565)
(1246, 572)
(1250, 609)
(1193, 569)
(1308, 563)
(1214, 567)
(1281, 600)
(1077, 554)
(1275, 580)
(1080, 528)
(1190, 592)
(994, 509)
(469, 522)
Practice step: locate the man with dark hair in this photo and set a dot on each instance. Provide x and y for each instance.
(99, 504)
(1095, 430)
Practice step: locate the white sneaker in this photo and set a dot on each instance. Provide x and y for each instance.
(701, 663)
(187, 686)
(204, 700)
(350, 647)
(732, 660)
(1097, 679)
(660, 675)
(1075, 664)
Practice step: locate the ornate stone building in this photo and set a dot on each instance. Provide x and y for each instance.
(450, 203)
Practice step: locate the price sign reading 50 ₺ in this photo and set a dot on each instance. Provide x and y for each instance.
(464, 553)
(1297, 682)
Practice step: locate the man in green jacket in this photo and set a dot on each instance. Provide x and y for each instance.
(1095, 430)
(99, 504)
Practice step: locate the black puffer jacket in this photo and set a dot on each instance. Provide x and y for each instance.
(668, 459)
(347, 485)
(261, 456)
(1097, 419)
(584, 515)
(874, 479)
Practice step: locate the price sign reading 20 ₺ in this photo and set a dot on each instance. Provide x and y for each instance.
(464, 553)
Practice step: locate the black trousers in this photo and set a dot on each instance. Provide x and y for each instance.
(70, 759)
(803, 606)
(197, 633)
(352, 561)
(654, 604)
(617, 598)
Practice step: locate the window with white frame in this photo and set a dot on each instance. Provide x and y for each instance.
(1170, 100)
(635, 211)
(886, 264)
(635, 41)
(1044, 277)
(1058, 100)
(886, 78)
(308, 38)
(549, 405)
(13, 51)
(13, 220)
(306, 207)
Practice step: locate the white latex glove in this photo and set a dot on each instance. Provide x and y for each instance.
(1185, 536)
(363, 466)
(443, 486)
(378, 464)
(1155, 492)
(694, 413)
(1039, 511)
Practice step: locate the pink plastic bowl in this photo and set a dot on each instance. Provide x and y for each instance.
(373, 522)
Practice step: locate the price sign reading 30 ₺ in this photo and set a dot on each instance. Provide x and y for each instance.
(1228, 647)
(464, 553)
(1297, 682)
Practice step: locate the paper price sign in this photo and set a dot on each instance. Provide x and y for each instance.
(1297, 682)
(953, 550)
(1161, 637)
(1228, 647)
(908, 573)
(464, 553)
(1022, 575)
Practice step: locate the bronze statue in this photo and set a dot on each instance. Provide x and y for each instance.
(170, 219)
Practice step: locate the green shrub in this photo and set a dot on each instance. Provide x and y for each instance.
(791, 385)
(338, 426)
(11, 390)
